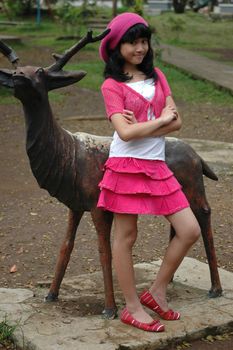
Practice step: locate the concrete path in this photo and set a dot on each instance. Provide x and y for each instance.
(219, 74)
(52, 326)
(218, 154)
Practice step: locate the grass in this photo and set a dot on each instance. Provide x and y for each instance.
(8, 99)
(194, 31)
(183, 86)
(191, 30)
(6, 331)
(194, 91)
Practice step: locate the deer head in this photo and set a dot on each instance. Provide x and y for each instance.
(34, 82)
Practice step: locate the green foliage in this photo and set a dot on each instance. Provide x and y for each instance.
(138, 7)
(177, 25)
(198, 31)
(6, 330)
(19, 7)
(135, 6)
(73, 18)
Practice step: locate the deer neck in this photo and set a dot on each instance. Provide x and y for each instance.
(49, 147)
(39, 122)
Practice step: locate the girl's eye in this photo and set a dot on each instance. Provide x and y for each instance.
(135, 42)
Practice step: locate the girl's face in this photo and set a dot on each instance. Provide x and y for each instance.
(134, 52)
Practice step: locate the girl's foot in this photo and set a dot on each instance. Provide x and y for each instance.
(153, 326)
(149, 301)
(140, 314)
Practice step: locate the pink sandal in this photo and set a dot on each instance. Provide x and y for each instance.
(147, 300)
(154, 326)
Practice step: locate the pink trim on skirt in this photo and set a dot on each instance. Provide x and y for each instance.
(138, 186)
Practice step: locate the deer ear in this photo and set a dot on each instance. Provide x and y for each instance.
(60, 79)
(6, 78)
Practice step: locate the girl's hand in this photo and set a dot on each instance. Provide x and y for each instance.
(129, 116)
(169, 113)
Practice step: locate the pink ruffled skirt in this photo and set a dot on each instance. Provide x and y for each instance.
(138, 186)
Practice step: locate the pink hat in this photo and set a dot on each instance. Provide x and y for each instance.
(119, 26)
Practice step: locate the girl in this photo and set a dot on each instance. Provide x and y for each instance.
(137, 180)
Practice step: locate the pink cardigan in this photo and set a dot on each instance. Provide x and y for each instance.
(119, 96)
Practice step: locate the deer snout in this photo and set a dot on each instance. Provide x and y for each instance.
(17, 72)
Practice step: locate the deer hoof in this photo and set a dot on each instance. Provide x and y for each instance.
(215, 293)
(51, 297)
(109, 313)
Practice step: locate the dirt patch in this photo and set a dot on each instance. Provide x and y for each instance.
(217, 342)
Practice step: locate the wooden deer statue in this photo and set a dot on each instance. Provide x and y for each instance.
(69, 166)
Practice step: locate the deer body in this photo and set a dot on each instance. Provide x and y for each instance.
(70, 166)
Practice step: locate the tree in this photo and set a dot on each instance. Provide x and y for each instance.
(114, 8)
(18, 7)
(179, 5)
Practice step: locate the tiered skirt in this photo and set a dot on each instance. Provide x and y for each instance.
(138, 186)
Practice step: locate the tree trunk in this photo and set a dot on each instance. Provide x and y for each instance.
(179, 6)
(50, 11)
(114, 8)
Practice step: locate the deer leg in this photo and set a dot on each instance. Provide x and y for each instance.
(64, 256)
(103, 223)
(204, 219)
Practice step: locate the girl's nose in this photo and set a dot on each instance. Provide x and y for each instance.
(139, 48)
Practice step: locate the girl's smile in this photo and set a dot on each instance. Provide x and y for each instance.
(134, 52)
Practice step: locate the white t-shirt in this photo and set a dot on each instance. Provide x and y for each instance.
(148, 147)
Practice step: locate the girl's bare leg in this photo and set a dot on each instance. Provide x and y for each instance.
(125, 235)
(187, 232)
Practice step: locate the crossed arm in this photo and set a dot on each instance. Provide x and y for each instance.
(128, 129)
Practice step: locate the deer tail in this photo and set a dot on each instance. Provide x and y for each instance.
(207, 171)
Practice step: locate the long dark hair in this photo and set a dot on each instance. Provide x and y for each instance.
(115, 64)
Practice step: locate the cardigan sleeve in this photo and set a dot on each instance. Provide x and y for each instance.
(163, 82)
(113, 97)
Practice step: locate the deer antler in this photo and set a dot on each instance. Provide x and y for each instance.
(61, 60)
(9, 53)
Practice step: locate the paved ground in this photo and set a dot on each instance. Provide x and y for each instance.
(220, 74)
(47, 326)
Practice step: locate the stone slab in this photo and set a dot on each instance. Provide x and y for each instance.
(52, 326)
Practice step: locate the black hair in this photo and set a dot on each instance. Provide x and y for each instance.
(114, 66)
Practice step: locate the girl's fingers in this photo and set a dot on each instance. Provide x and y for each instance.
(128, 119)
(171, 109)
(129, 116)
(126, 111)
